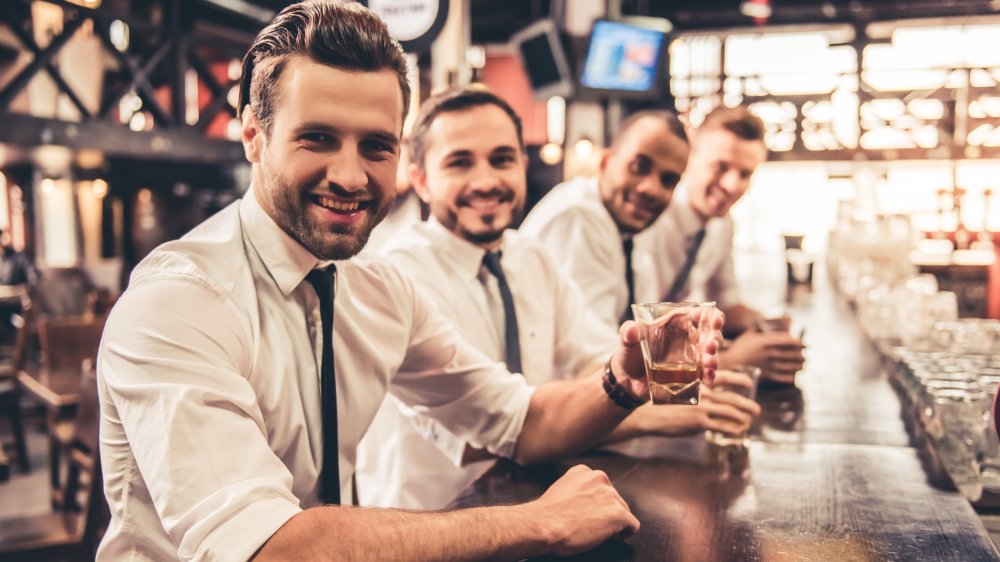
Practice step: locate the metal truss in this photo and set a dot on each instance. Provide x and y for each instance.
(159, 58)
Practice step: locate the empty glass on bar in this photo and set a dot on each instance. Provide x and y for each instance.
(748, 390)
(672, 338)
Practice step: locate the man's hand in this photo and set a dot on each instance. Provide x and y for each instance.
(778, 354)
(729, 411)
(630, 369)
(581, 510)
(718, 410)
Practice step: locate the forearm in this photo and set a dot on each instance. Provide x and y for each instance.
(351, 533)
(664, 421)
(565, 418)
(630, 428)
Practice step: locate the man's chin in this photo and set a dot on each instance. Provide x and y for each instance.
(343, 247)
(484, 237)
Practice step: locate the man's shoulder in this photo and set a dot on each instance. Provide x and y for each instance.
(413, 239)
(211, 253)
(524, 246)
(577, 199)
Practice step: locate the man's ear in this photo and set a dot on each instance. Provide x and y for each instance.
(418, 180)
(603, 163)
(252, 136)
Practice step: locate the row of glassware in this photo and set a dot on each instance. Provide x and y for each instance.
(949, 391)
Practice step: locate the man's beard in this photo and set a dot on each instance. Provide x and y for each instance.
(492, 231)
(326, 242)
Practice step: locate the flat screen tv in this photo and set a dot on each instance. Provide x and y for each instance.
(627, 58)
(544, 60)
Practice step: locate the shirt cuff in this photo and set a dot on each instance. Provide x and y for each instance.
(243, 534)
(507, 444)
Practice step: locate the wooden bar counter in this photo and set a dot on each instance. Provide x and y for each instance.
(831, 473)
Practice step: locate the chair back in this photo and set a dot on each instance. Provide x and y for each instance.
(64, 291)
(67, 340)
(86, 449)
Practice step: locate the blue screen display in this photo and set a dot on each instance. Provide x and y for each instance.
(622, 57)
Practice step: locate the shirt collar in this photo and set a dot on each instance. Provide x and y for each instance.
(465, 256)
(284, 257)
(687, 219)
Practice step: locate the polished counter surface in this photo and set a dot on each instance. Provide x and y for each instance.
(831, 473)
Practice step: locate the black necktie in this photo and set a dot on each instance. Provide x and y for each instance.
(513, 345)
(682, 276)
(629, 279)
(329, 479)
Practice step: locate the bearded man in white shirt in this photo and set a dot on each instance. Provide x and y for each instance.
(588, 223)
(689, 249)
(232, 403)
(469, 167)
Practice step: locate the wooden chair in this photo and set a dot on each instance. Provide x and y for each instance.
(64, 343)
(12, 360)
(74, 531)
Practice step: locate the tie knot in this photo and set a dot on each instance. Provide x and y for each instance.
(491, 260)
(321, 279)
(627, 245)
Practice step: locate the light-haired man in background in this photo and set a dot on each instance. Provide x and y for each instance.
(689, 249)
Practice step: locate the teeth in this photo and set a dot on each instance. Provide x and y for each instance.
(342, 206)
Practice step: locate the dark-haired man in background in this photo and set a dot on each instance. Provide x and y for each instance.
(245, 361)
(588, 224)
(688, 252)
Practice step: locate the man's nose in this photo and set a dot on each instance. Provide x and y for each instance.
(347, 170)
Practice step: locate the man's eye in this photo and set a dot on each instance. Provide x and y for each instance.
(458, 163)
(640, 166)
(502, 161)
(377, 146)
(316, 138)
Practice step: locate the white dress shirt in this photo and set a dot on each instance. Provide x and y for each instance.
(585, 243)
(407, 461)
(406, 210)
(663, 248)
(211, 428)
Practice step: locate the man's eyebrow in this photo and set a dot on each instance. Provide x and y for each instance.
(460, 153)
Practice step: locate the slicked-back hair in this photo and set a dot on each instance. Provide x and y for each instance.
(347, 36)
(669, 118)
(458, 99)
(737, 120)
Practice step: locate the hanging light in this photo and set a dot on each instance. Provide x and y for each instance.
(759, 10)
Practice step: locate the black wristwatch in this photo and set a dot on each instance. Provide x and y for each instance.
(616, 393)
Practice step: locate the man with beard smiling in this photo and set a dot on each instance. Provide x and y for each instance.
(469, 167)
(587, 224)
(245, 361)
(690, 246)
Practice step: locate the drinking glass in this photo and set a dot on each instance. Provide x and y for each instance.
(738, 440)
(672, 339)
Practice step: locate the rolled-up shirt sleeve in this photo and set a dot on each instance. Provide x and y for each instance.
(182, 422)
(448, 380)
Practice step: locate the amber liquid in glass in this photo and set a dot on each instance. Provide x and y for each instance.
(674, 383)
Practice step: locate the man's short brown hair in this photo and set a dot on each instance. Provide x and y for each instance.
(343, 35)
(458, 99)
(737, 120)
